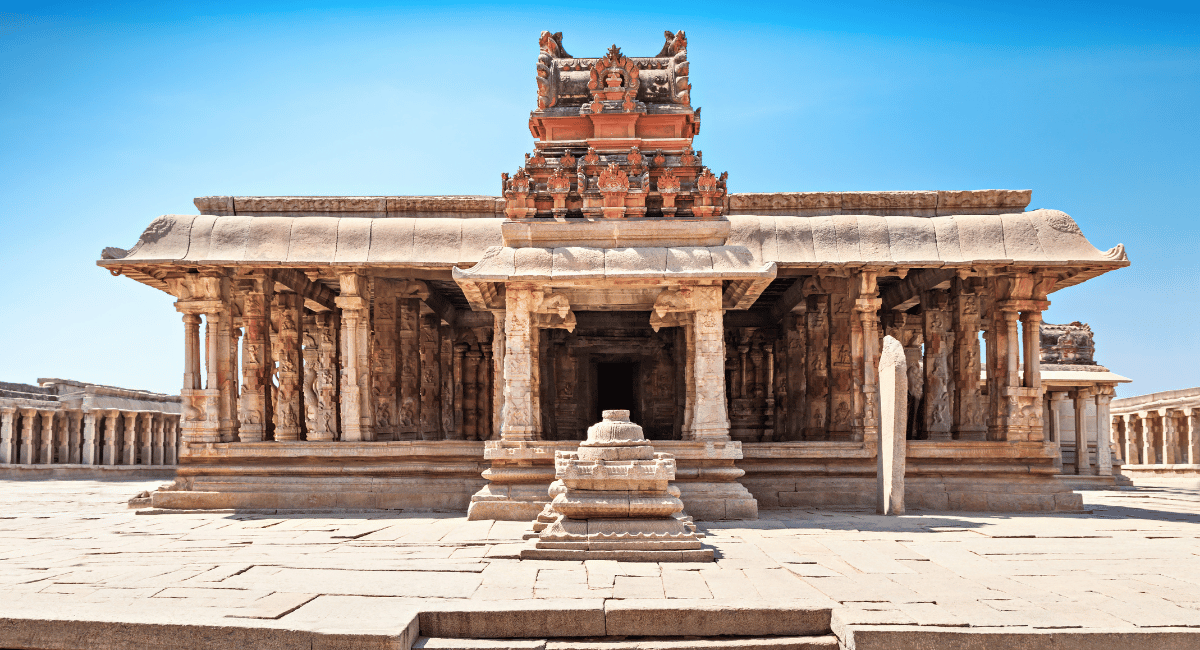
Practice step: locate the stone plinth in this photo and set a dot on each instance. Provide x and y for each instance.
(613, 500)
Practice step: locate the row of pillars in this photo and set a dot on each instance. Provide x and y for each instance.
(1160, 436)
(1099, 397)
(32, 436)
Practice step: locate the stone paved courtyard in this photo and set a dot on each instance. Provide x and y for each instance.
(71, 549)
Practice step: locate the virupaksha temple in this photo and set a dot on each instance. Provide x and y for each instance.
(436, 351)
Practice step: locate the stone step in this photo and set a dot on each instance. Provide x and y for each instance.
(820, 642)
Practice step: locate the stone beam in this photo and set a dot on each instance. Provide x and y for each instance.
(311, 291)
(908, 290)
(442, 307)
(788, 301)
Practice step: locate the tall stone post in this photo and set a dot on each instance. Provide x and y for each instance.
(7, 450)
(1193, 436)
(1055, 423)
(226, 367)
(201, 404)
(471, 424)
(286, 346)
(457, 369)
(356, 378)
(1082, 457)
(129, 442)
(892, 443)
(709, 418)
(46, 442)
(88, 452)
(157, 442)
(27, 452)
(1131, 439)
(499, 341)
(864, 350)
(171, 441)
(429, 422)
(255, 402)
(75, 438)
(689, 374)
(309, 365)
(390, 360)
(1149, 454)
(968, 399)
(1104, 396)
(520, 421)
(326, 385)
(1170, 436)
(109, 450)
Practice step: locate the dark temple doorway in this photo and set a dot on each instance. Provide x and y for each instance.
(616, 388)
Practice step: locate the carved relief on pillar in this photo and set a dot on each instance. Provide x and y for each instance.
(198, 294)
(227, 379)
(710, 420)
(309, 355)
(1017, 414)
(471, 413)
(393, 332)
(46, 438)
(793, 389)
(1104, 442)
(405, 376)
(450, 385)
(8, 453)
(356, 376)
(937, 417)
(841, 364)
(254, 410)
(864, 353)
(289, 411)
(519, 361)
(817, 427)
(969, 402)
(326, 385)
(499, 347)
(429, 425)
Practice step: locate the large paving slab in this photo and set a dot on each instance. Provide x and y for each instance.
(1129, 566)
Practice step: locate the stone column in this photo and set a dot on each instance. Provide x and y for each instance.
(309, 363)
(460, 351)
(289, 409)
(937, 418)
(356, 378)
(75, 442)
(46, 442)
(1193, 435)
(519, 361)
(1104, 396)
(393, 325)
(471, 392)
(147, 439)
(255, 402)
(158, 431)
(709, 418)
(88, 452)
(7, 454)
(1082, 459)
(226, 367)
(201, 405)
(864, 350)
(171, 441)
(1170, 436)
(1131, 446)
(968, 398)
(130, 439)
(1149, 456)
(326, 384)
(429, 422)
(499, 341)
(689, 374)
(27, 452)
(1055, 423)
(109, 450)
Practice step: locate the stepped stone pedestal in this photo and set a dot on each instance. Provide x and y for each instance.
(612, 500)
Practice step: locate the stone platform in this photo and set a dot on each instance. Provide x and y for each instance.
(79, 566)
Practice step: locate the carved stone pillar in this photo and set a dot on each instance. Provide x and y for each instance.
(968, 400)
(7, 448)
(289, 407)
(689, 373)
(429, 422)
(1170, 436)
(158, 439)
(485, 430)
(255, 404)
(326, 426)
(1104, 396)
(146, 457)
(937, 417)
(794, 384)
(864, 350)
(1056, 400)
(392, 355)
(201, 408)
(841, 366)
(46, 441)
(356, 380)
(27, 452)
(448, 389)
(75, 437)
(88, 451)
(171, 441)
(1132, 457)
(818, 368)
(63, 437)
(1149, 454)
(520, 421)
(709, 418)
(129, 441)
(1082, 457)
(459, 371)
(226, 366)
(1193, 436)
(309, 363)
(110, 450)
(499, 343)
(471, 393)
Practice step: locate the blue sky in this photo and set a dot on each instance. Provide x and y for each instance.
(113, 115)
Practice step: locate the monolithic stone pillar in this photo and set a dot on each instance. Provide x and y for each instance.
(75, 437)
(486, 432)
(1131, 439)
(689, 373)
(88, 452)
(308, 365)
(519, 361)
(7, 448)
(458, 370)
(968, 399)
(171, 441)
(864, 350)
(129, 441)
(937, 418)
(1082, 458)
(27, 452)
(471, 393)
(226, 367)
(326, 382)
(393, 353)
(1170, 436)
(46, 442)
(158, 422)
(289, 408)
(1104, 396)
(356, 378)
(1193, 435)
(818, 368)
(254, 406)
(1149, 453)
(110, 450)
(429, 421)
(449, 389)
(709, 418)
(892, 443)
(793, 386)
(201, 407)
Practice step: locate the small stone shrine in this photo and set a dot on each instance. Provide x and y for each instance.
(612, 500)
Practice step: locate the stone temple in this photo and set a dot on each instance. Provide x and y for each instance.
(436, 351)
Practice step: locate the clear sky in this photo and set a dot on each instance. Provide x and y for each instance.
(110, 116)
